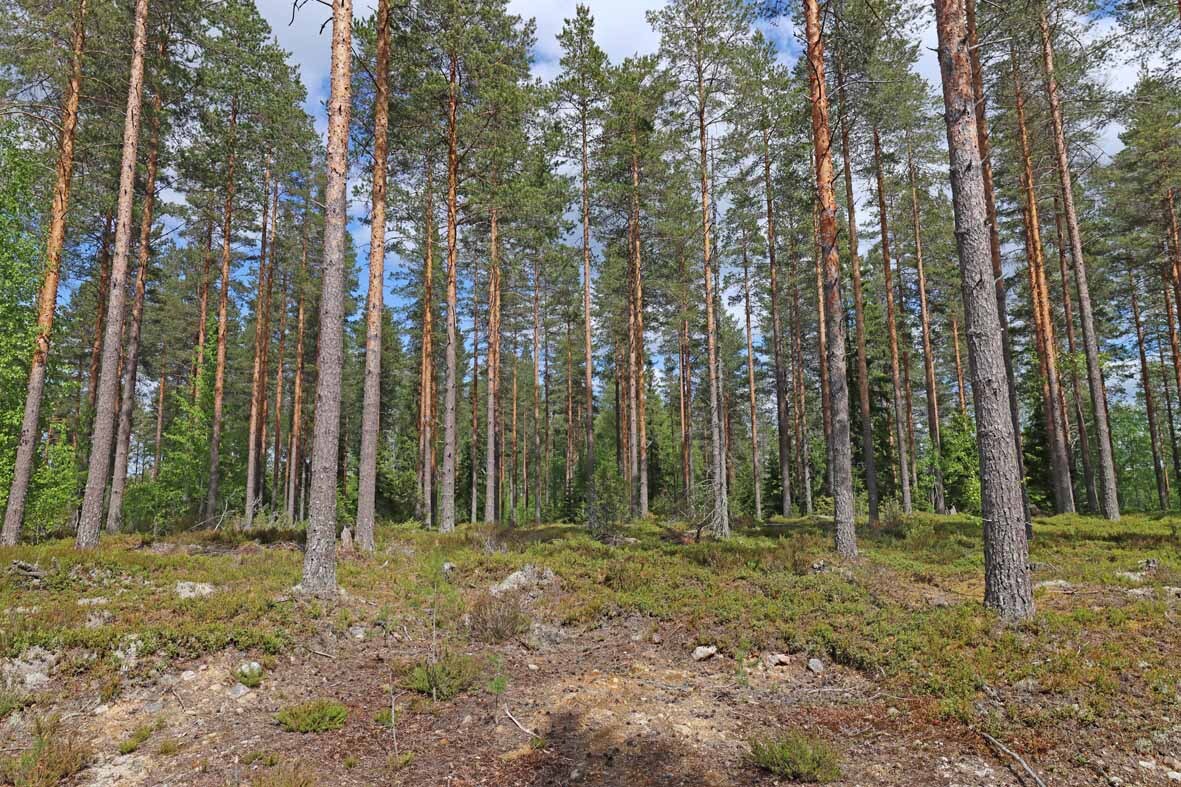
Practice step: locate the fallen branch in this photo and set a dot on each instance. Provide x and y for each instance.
(181, 702)
(522, 727)
(1017, 757)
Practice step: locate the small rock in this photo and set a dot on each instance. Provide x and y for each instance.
(533, 667)
(30, 671)
(357, 632)
(346, 540)
(153, 707)
(188, 675)
(543, 635)
(96, 601)
(101, 709)
(193, 589)
(775, 660)
(237, 691)
(703, 652)
(1060, 585)
(1174, 776)
(249, 668)
(819, 566)
(1148, 565)
(466, 720)
(815, 666)
(128, 654)
(1131, 576)
(1148, 765)
(892, 711)
(528, 578)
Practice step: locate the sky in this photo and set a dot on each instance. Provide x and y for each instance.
(621, 29)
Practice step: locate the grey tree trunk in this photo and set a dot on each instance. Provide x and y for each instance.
(447, 504)
(104, 423)
(1007, 586)
(253, 443)
(319, 563)
(131, 362)
(781, 414)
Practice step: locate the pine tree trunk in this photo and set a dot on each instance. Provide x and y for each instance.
(295, 445)
(1160, 348)
(1063, 487)
(319, 565)
(800, 389)
(474, 406)
(781, 414)
(102, 291)
(1007, 586)
(158, 457)
(959, 367)
(1109, 495)
(260, 472)
(254, 442)
(719, 519)
(822, 347)
(1079, 418)
(104, 423)
(202, 309)
(1158, 465)
(756, 469)
(131, 364)
(568, 477)
(841, 454)
(537, 391)
(426, 379)
(47, 298)
(867, 450)
(371, 406)
(219, 376)
(588, 356)
(276, 468)
(928, 353)
(685, 391)
(892, 330)
(450, 436)
(983, 140)
(491, 507)
(638, 359)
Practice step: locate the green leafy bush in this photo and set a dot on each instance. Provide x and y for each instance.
(444, 678)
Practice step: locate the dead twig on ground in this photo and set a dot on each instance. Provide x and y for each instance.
(520, 726)
(1016, 757)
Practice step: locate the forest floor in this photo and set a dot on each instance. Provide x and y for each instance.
(539, 656)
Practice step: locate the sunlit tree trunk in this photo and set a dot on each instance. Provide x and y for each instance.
(1079, 418)
(47, 298)
(959, 367)
(494, 427)
(450, 436)
(276, 467)
(294, 460)
(900, 421)
(755, 466)
(1109, 495)
(254, 442)
(840, 452)
(90, 519)
(371, 386)
(319, 565)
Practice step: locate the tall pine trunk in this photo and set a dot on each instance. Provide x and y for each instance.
(371, 406)
(1158, 465)
(277, 462)
(959, 367)
(1007, 585)
(492, 369)
(719, 519)
(219, 375)
(294, 460)
(108, 388)
(47, 299)
(867, 451)
(1079, 418)
(254, 441)
(450, 432)
(1047, 345)
(933, 430)
(131, 363)
(840, 452)
(1109, 495)
(782, 424)
(899, 402)
(103, 288)
(426, 380)
(984, 142)
(319, 564)
(755, 466)
(588, 353)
